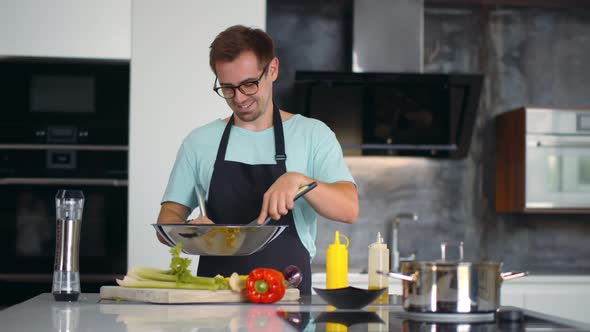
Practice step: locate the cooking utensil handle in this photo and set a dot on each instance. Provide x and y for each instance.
(302, 191)
(201, 199)
(410, 278)
(513, 275)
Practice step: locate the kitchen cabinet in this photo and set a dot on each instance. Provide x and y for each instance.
(543, 160)
(560, 295)
(66, 29)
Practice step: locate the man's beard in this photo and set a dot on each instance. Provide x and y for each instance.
(249, 116)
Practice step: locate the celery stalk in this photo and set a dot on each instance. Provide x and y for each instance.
(136, 283)
(178, 276)
(147, 273)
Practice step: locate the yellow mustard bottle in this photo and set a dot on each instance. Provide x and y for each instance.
(337, 263)
(379, 261)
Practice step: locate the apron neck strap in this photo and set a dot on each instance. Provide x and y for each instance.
(280, 155)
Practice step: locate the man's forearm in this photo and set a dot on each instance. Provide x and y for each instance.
(172, 213)
(336, 201)
(169, 217)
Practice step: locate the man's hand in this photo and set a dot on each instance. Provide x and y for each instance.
(174, 213)
(278, 199)
(335, 201)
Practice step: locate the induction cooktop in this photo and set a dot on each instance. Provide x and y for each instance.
(394, 318)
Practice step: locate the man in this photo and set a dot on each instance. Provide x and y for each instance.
(251, 164)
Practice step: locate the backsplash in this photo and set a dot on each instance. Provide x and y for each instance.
(528, 56)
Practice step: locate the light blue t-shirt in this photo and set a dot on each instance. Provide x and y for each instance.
(311, 147)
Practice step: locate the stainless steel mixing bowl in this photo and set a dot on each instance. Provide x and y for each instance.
(219, 240)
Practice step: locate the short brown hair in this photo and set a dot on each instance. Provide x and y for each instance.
(231, 42)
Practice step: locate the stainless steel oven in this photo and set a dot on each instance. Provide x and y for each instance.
(64, 126)
(49, 100)
(557, 159)
(28, 224)
(29, 179)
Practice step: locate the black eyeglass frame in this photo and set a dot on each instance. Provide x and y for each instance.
(239, 87)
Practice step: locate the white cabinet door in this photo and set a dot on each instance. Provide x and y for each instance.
(512, 298)
(66, 28)
(562, 296)
(571, 304)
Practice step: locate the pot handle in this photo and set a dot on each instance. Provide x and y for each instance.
(411, 278)
(513, 275)
(443, 250)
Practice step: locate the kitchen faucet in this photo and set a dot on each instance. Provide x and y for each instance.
(394, 244)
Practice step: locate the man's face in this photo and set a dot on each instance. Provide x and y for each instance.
(242, 70)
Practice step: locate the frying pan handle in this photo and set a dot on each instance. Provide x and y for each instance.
(302, 191)
(513, 275)
(411, 278)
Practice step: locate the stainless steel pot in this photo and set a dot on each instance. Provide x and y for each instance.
(452, 286)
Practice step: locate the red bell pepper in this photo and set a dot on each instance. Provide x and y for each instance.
(265, 286)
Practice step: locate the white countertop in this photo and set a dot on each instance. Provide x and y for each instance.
(42, 313)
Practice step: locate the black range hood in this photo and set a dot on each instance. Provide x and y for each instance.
(398, 114)
(385, 104)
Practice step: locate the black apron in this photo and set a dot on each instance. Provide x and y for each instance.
(235, 197)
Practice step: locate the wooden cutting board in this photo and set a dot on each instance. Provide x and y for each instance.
(168, 296)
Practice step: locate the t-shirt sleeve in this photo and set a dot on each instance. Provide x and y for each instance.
(328, 162)
(183, 181)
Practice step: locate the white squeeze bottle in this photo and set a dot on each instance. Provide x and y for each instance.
(379, 261)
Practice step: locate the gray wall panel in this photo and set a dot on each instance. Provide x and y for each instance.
(528, 56)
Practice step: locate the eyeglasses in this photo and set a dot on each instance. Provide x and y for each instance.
(248, 88)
